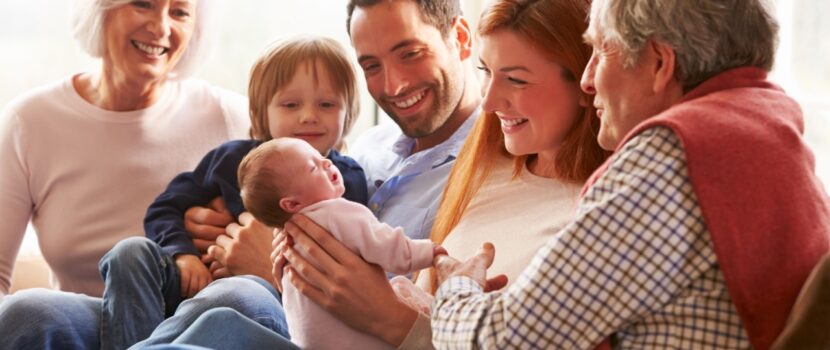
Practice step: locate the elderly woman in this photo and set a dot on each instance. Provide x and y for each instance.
(679, 238)
(84, 156)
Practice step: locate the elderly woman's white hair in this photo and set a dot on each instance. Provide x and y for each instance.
(708, 36)
(88, 29)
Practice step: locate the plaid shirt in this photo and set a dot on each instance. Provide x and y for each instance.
(637, 262)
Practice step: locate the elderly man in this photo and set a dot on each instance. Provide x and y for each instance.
(679, 238)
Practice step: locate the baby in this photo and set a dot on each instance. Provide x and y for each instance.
(286, 176)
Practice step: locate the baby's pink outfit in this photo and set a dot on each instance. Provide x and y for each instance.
(356, 227)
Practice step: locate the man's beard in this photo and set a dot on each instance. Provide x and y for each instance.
(427, 121)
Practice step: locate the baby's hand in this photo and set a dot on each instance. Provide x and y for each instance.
(438, 250)
(195, 276)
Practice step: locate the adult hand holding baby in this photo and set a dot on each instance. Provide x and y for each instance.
(243, 249)
(278, 245)
(229, 248)
(344, 284)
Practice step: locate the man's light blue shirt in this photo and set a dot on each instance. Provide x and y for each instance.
(405, 188)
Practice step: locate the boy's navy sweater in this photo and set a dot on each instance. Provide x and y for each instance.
(216, 176)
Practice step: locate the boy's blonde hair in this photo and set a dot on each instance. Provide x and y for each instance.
(262, 186)
(277, 66)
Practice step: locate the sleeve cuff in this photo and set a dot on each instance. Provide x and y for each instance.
(422, 250)
(457, 285)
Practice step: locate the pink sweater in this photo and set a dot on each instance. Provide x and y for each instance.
(355, 226)
(85, 175)
(754, 177)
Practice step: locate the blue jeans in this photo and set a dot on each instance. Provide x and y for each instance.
(141, 289)
(225, 328)
(49, 319)
(249, 295)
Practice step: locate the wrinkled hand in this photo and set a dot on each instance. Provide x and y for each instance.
(475, 268)
(410, 294)
(194, 274)
(204, 224)
(243, 250)
(341, 282)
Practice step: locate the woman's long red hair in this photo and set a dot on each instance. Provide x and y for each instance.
(554, 27)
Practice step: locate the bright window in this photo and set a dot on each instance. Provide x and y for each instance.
(803, 69)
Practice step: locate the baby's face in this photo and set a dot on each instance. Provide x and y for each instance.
(314, 178)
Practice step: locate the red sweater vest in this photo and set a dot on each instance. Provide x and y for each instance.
(754, 178)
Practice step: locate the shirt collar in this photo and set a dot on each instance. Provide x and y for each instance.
(441, 153)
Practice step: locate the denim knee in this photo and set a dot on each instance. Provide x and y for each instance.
(222, 319)
(265, 284)
(26, 304)
(236, 293)
(219, 316)
(43, 318)
(245, 295)
(224, 327)
(128, 253)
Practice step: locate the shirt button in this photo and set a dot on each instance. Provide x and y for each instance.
(375, 206)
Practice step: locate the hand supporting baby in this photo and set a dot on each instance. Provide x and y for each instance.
(407, 292)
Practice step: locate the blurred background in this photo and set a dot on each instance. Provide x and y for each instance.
(38, 48)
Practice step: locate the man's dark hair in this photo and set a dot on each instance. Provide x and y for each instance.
(437, 13)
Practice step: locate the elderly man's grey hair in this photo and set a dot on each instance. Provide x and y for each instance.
(708, 36)
(88, 29)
